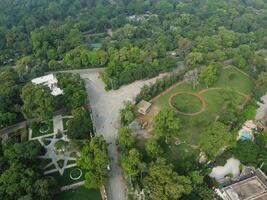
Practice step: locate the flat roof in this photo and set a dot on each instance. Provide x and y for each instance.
(45, 79)
(249, 189)
(144, 105)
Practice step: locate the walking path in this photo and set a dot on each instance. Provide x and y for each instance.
(68, 187)
(51, 152)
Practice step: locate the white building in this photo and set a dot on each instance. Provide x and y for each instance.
(51, 81)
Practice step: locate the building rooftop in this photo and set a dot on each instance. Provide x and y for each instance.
(45, 79)
(250, 188)
(143, 107)
(51, 81)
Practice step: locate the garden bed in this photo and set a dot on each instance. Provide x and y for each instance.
(65, 179)
(41, 128)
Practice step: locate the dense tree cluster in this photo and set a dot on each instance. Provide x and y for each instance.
(149, 91)
(167, 123)
(10, 102)
(38, 102)
(20, 174)
(81, 125)
(127, 113)
(54, 35)
(75, 94)
(94, 159)
(214, 138)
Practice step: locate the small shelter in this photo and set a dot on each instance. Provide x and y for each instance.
(143, 107)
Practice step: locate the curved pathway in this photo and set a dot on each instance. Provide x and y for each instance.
(201, 99)
(247, 97)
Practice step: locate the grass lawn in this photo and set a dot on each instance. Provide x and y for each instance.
(234, 79)
(40, 129)
(191, 125)
(65, 179)
(79, 193)
(186, 103)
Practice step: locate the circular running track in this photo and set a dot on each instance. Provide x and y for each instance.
(200, 98)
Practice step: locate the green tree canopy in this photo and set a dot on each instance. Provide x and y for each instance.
(125, 139)
(130, 163)
(153, 149)
(164, 183)
(94, 159)
(20, 175)
(247, 152)
(215, 137)
(80, 126)
(209, 75)
(166, 123)
(38, 102)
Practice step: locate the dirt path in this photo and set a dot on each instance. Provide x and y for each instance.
(201, 98)
(247, 97)
(203, 106)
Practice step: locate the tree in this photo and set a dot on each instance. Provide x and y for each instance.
(127, 113)
(193, 58)
(247, 152)
(94, 159)
(130, 163)
(209, 75)
(153, 149)
(196, 177)
(261, 84)
(215, 137)
(125, 139)
(38, 102)
(166, 123)
(10, 101)
(164, 183)
(20, 176)
(80, 126)
(74, 90)
(185, 46)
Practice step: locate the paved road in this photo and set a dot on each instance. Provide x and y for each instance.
(106, 107)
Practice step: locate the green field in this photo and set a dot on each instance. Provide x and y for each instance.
(65, 179)
(230, 79)
(37, 127)
(186, 103)
(79, 193)
(234, 79)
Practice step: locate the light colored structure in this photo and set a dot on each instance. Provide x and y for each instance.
(253, 186)
(247, 131)
(143, 107)
(250, 124)
(51, 81)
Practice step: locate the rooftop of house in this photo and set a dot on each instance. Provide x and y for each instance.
(144, 105)
(51, 81)
(253, 187)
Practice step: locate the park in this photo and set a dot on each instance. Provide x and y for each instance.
(197, 107)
